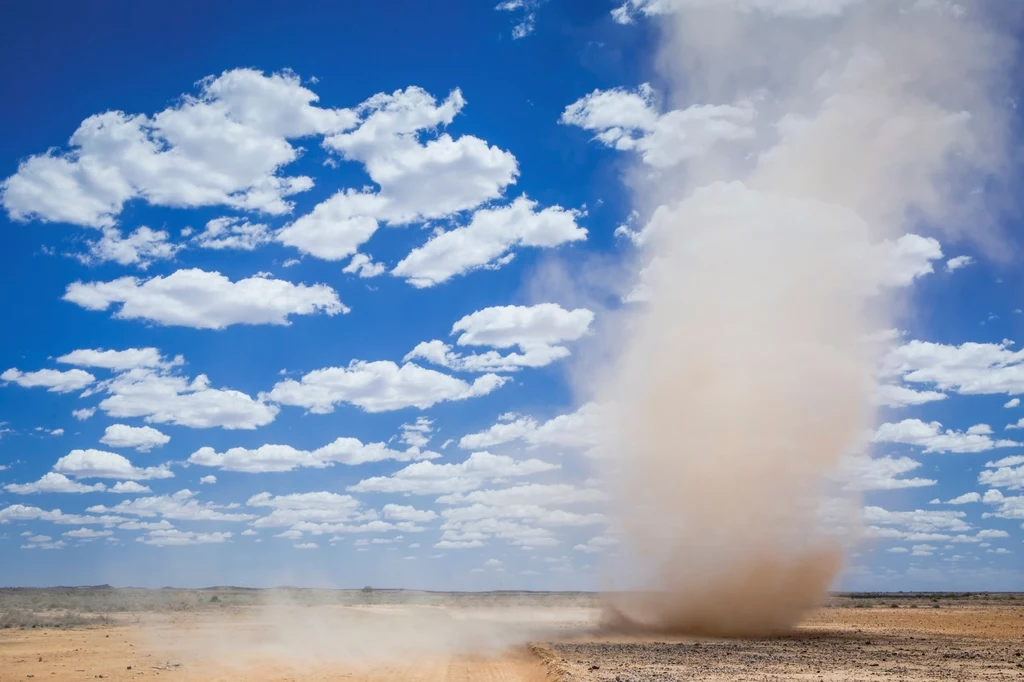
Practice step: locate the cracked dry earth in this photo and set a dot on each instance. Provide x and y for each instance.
(958, 642)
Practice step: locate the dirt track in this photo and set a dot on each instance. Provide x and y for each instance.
(423, 644)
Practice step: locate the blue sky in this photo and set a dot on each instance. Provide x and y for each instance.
(348, 398)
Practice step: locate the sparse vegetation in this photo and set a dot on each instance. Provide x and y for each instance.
(22, 618)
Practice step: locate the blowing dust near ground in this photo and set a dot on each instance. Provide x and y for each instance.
(817, 142)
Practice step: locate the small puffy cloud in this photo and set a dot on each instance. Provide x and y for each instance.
(1005, 507)
(575, 430)
(544, 324)
(417, 434)
(119, 360)
(177, 507)
(906, 259)
(423, 179)
(1012, 461)
(529, 495)
(84, 413)
(224, 146)
(101, 464)
(205, 300)
(439, 353)
(53, 483)
(1003, 477)
(208, 480)
(397, 512)
(306, 508)
(140, 248)
(918, 521)
(526, 17)
(419, 179)
(932, 438)
(537, 516)
(278, 458)
(990, 534)
(890, 395)
(487, 240)
(164, 398)
(514, 531)
(596, 545)
(629, 121)
(363, 265)
(176, 538)
(459, 544)
(88, 534)
(142, 438)
(799, 9)
(43, 542)
(129, 488)
(954, 264)
(145, 525)
(966, 498)
(379, 386)
(424, 478)
(883, 473)
(336, 227)
(535, 330)
(969, 369)
(55, 381)
(21, 512)
(233, 233)
(1015, 402)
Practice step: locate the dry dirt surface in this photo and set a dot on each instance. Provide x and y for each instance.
(871, 644)
(537, 639)
(279, 644)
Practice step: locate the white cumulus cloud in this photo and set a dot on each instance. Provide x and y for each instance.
(424, 478)
(52, 380)
(164, 398)
(205, 300)
(140, 248)
(224, 146)
(486, 241)
(535, 330)
(629, 121)
(379, 386)
(53, 483)
(932, 438)
(267, 458)
(119, 360)
(233, 233)
(101, 464)
(142, 438)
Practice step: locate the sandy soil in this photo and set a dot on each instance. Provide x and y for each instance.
(391, 643)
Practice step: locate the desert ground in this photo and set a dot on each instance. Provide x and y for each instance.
(289, 635)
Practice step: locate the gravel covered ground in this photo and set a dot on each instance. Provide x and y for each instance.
(952, 642)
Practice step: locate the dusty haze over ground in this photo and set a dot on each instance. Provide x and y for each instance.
(822, 134)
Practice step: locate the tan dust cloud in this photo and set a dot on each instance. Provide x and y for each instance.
(745, 378)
